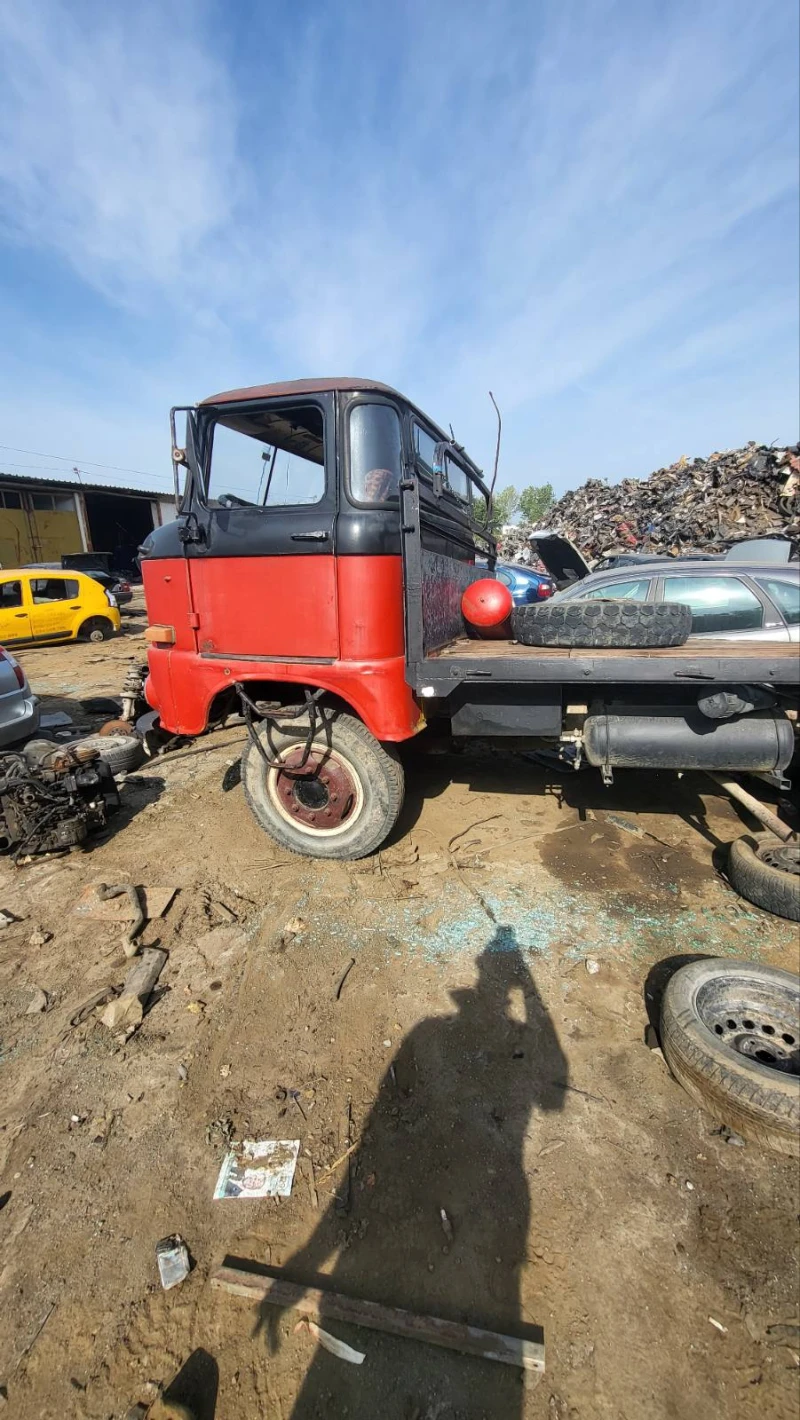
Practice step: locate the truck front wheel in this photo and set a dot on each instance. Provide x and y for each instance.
(342, 803)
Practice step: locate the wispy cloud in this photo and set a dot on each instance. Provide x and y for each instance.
(576, 203)
(117, 138)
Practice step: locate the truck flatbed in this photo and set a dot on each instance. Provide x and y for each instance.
(701, 659)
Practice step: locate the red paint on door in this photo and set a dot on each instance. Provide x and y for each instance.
(266, 606)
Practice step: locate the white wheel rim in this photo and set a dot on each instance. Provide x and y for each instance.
(309, 830)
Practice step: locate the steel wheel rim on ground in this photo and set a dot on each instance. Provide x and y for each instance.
(783, 856)
(319, 814)
(760, 1024)
(730, 1032)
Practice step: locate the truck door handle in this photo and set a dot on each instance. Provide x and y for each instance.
(20, 613)
(318, 536)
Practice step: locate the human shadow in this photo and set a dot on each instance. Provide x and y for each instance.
(439, 1207)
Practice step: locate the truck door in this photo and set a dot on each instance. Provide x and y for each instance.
(261, 568)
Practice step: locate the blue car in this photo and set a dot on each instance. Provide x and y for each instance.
(524, 584)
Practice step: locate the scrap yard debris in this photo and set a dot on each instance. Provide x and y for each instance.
(695, 505)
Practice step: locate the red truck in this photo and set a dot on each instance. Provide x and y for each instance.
(312, 579)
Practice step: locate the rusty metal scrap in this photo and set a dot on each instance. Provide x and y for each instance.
(698, 505)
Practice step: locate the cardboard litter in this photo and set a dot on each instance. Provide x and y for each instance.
(258, 1168)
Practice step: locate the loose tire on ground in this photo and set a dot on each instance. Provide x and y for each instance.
(730, 1032)
(601, 623)
(755, 872)
(345, 808)
(122, 753)
(97, 628)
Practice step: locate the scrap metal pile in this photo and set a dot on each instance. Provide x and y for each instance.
(702, 505)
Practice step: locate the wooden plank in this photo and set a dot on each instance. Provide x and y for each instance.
(332, 1306)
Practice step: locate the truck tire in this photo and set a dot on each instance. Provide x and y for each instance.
(122, 753)
(602, 623)
(346, 807)
(766, 872)
(730, 1032)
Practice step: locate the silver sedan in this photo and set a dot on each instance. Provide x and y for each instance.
(729, 601)
(19, 707)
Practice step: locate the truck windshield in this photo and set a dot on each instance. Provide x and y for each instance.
(268, 459)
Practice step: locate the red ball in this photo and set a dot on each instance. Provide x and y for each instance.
(486, 603)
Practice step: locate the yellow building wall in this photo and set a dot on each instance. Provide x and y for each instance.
(43, 540)
(56, 533)
(15, 542)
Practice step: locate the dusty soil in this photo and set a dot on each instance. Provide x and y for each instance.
(470, 1056)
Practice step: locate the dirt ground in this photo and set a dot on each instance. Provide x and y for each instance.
(472, 1059)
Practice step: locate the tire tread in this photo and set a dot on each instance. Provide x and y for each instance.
(603, 624)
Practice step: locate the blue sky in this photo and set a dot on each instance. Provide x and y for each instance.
(588, 206)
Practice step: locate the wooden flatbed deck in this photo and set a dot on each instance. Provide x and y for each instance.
(697, 648)
(700, 660)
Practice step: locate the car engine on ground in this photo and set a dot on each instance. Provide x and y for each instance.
(52, 797)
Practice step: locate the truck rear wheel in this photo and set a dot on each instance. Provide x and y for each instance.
(342, 803)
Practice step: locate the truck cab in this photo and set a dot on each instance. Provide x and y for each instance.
(283, 572)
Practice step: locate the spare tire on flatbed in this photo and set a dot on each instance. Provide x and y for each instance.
(603, 623)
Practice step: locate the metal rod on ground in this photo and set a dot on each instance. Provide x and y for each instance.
(332, 1306)
(756, 808)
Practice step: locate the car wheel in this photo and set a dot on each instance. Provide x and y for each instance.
(730, 1032)
(122, 753)
(98, 628)
(766, 872)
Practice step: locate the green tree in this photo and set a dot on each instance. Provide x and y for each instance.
(535, 502)
(505, 506)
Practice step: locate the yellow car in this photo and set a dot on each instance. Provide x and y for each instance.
(43, 606)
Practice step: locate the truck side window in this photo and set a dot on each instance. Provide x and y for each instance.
(456, 479)
(271, 458)
(424, 448)
(375, 453)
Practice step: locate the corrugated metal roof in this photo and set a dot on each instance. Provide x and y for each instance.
(47, 484)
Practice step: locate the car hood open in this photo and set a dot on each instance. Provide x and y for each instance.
(561, 558)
